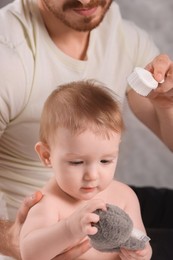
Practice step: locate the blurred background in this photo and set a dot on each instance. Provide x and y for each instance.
(144, 160)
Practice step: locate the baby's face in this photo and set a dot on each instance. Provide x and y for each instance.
(84, 164)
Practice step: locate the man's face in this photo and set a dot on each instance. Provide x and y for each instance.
(81, 15)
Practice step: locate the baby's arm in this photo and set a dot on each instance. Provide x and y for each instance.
(132, 208)
(40, 240)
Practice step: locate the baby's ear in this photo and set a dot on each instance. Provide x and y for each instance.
(43, 152)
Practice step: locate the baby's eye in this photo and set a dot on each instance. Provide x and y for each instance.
(105, 161)
(75, 162)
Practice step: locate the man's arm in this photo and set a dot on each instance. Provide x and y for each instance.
(156, 110)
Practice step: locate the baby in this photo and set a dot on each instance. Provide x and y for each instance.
(80, 134)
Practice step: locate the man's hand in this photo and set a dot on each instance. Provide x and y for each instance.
(162, 69)
(10, 231)
(162, 98)
(156, 110)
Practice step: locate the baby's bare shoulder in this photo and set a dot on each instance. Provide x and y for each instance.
(120, 193)
(117, 186)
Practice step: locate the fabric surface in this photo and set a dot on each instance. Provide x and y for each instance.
(161, 242)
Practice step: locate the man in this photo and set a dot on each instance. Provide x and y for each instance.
(46, 43)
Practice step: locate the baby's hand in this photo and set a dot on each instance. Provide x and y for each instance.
(80, 222)
(144, 254)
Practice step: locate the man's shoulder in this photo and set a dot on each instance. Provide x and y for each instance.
(15, 23)
(126, 27)
(113, 15)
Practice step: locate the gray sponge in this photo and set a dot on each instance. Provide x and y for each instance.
(115, 230)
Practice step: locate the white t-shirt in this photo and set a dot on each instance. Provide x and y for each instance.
(32, 66)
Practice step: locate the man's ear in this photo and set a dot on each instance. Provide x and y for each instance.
(43, 152)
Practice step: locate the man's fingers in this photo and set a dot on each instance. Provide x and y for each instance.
(161, 65)
(26, 205)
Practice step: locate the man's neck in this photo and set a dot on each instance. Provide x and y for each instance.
(71, 42)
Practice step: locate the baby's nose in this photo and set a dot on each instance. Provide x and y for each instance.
(91, 173)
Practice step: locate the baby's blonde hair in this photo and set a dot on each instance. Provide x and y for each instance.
(78, 106)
